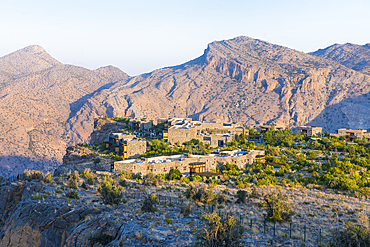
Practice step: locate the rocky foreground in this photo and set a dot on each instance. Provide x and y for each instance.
(38, 213)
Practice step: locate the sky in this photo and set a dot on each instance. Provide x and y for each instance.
(141, 36)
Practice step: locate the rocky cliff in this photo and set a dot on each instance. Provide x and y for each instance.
(38, 95)
(356, 57)
(46, 106)
(244, 80)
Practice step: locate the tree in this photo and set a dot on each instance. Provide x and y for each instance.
(175, 174)
(110, 191)
(277, 207)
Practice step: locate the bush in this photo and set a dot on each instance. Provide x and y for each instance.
(48, 179)
(149, 204)
(277, 207)
(225, 232)
(175, 174)
(110, 191)
(73, 195)
(31, 174)
(186, 210)
(122, 181)
(201, 194)
(241, 195)
(221, 199)
(103, 239)
(168, 221)
(39, 197)
(155, 180)
(73, 180)
(350, 235)
(254, 193)
(84, 186)
(90, 177)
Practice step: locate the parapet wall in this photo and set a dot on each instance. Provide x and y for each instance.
(182, 163)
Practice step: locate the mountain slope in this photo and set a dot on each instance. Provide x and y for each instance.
(353, 56)
(244, 80)
(38, 96)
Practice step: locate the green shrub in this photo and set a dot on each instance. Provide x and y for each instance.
(350, 235)
(201, 194)
(84, 186)
(73, 195)
(242, 196)
(254, 193)
(58, 191)
(48, 179)
(103, 239)
(73, 180)
(168, 221)
(277, 207)
(31, 174)
(186, 210)
(39, 197)
(175, 174)
(90, 177)
(221, 198)
(149, 204)
(110, 191)
(220, 232)
(155, 180)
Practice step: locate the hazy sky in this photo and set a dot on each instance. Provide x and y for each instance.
(140, 36)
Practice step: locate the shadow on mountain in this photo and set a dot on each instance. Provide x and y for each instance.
(12, 165)
(349, 113)
(76, 106)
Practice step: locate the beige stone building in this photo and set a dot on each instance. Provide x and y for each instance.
(187, 164)
(350, 134)
(309, 130)
(126, 145)
(215, 133)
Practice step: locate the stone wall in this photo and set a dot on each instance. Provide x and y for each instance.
(181, 135)
(182, 163)
(135, 148)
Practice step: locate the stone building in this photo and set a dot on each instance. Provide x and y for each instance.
(188, 163)
(350, 135)
(264, 128)
(126, 145)
(309, 130)
(143, 124)
(215, 133)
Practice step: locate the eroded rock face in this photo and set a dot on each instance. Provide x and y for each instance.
(102, 128)
(38, 95)
(244, 80)
(79, 158)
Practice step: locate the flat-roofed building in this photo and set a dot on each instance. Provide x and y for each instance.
(350, 135)
(126, 145)
(188, 163)
(309, 130)
(216, 133)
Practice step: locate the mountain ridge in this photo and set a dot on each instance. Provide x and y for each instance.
(238, 80)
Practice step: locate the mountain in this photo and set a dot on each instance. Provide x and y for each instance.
(356, 57)
(243, 80)
(38, 95)
(46, 106)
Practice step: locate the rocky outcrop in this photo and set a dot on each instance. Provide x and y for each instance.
(356, 57)
(102, 128)
(38, 95)
(79, 158)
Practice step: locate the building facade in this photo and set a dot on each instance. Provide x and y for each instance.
(188, 163)
(350, 135)
(126, 145)
(309, 130)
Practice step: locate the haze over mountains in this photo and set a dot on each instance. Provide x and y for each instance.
(46, 106)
